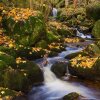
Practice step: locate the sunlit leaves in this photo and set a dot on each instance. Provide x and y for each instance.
(20, 60)
(21, 14)
(71, 40)
(83, 61)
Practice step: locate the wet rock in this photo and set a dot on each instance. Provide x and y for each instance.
(71, 96)
(73, 55)
(59, 69)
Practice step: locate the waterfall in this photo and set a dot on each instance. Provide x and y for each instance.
(80, 34)
(48, 75)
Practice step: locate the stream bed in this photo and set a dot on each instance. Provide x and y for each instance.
(54, 88)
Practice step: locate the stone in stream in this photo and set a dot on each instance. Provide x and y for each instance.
(71, 96)
(59, 69)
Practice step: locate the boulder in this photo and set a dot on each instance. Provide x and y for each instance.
(93, 10)
(96, 30)
(42, 44)
(9, 60)
(33, 71)
(91, 72)
(71, 96)
(59, 69)
(73, 55)
(23, 77)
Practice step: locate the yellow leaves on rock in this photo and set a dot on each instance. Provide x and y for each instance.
(20, 60)
(54, 45)
(83, 61)
(72, 40)
(36, 49)
(19, 14)
(57, 25)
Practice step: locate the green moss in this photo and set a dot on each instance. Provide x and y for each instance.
(15, 80)
(3, 65)
(51, 37)
(9, 60)
(71, 96)
(96, 29)
(93, 11)
(42, 44)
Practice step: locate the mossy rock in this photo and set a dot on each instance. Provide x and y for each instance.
(3, 65)
(96, 29)
(42, 44)
(59, 69)
(86, 73)
(29, 54)
(16, 80)
(92, 49)
(51, 37)
(35, 75)
(9, 51)
(65, 32)
(93, 10)
(7, 93)
(73, 55)
(52, 54)
(9, 60)
(71, 96)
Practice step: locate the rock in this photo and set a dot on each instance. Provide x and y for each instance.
(42, 44)
(23, 77)
(73, 55)
(33, 71)
(59, 69)
(84, 29)
(71, 96)
(90, 73)
(96, 30)
(9, 60)
(93, 10)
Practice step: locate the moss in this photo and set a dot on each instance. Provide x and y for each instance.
(9, 60)
(96, 29)
(42, 44)
(51, 37)
(34, 73)
(15, 80)
(7, 93)
(71, 96)
(9, 51)
(93, 11)
(3, 65)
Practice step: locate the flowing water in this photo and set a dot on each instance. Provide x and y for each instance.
(54, 88)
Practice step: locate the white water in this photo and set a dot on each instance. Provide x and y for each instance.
(55, 89)
(79, 34)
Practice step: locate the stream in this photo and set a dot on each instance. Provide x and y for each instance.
(54, 88)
